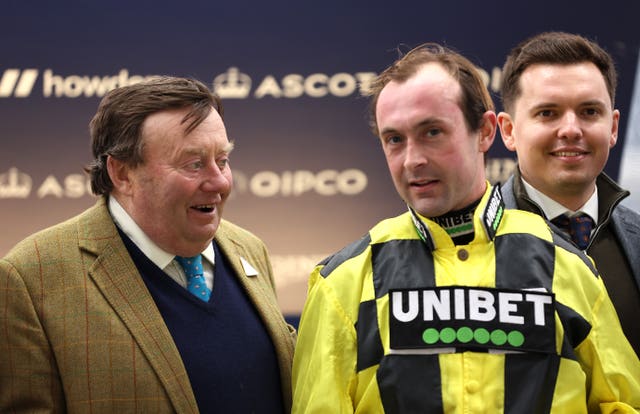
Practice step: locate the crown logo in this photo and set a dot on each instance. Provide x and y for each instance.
(232, 84)
(14, 184)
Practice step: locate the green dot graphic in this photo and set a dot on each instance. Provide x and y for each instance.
(515, 338)
(465, 334)
(498, 337)
(481, 336)
(430, 336)
(448, 335)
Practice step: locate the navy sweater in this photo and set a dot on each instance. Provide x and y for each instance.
(228, 355)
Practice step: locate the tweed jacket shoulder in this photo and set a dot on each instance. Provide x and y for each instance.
(80, 332)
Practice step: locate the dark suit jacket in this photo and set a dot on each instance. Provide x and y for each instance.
(624, 222)
(80, 333)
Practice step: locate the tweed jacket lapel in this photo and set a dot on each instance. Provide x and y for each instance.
(260, 288)
(117, 277)
(254, 284)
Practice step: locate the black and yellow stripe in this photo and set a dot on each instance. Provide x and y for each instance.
(344, 362)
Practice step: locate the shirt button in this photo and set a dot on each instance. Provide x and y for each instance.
(463, 254)
(473, 386)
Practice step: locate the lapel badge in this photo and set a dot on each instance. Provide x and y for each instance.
(248, 269)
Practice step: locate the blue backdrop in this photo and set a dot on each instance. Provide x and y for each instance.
(309, 175)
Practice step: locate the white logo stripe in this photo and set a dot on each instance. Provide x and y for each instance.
(26, 82)
(8, 81)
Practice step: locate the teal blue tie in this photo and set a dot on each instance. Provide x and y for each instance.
(195, 280)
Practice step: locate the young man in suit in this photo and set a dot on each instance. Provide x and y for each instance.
(558, 93)
(148, 301)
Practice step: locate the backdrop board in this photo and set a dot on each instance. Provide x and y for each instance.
(309, 175)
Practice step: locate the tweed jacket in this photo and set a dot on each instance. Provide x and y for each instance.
(624, 221)
(80, 332)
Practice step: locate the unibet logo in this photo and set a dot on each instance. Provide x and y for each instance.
(469, 303)
(493, 212)
(472, 317)
(17, 83)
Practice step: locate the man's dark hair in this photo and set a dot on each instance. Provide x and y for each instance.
(553, 48)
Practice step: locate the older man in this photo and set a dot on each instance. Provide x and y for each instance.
(149, 301)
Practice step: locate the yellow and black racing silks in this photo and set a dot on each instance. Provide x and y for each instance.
(517, 321)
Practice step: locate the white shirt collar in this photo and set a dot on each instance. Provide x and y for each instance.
(158, 256)
(553, 209)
